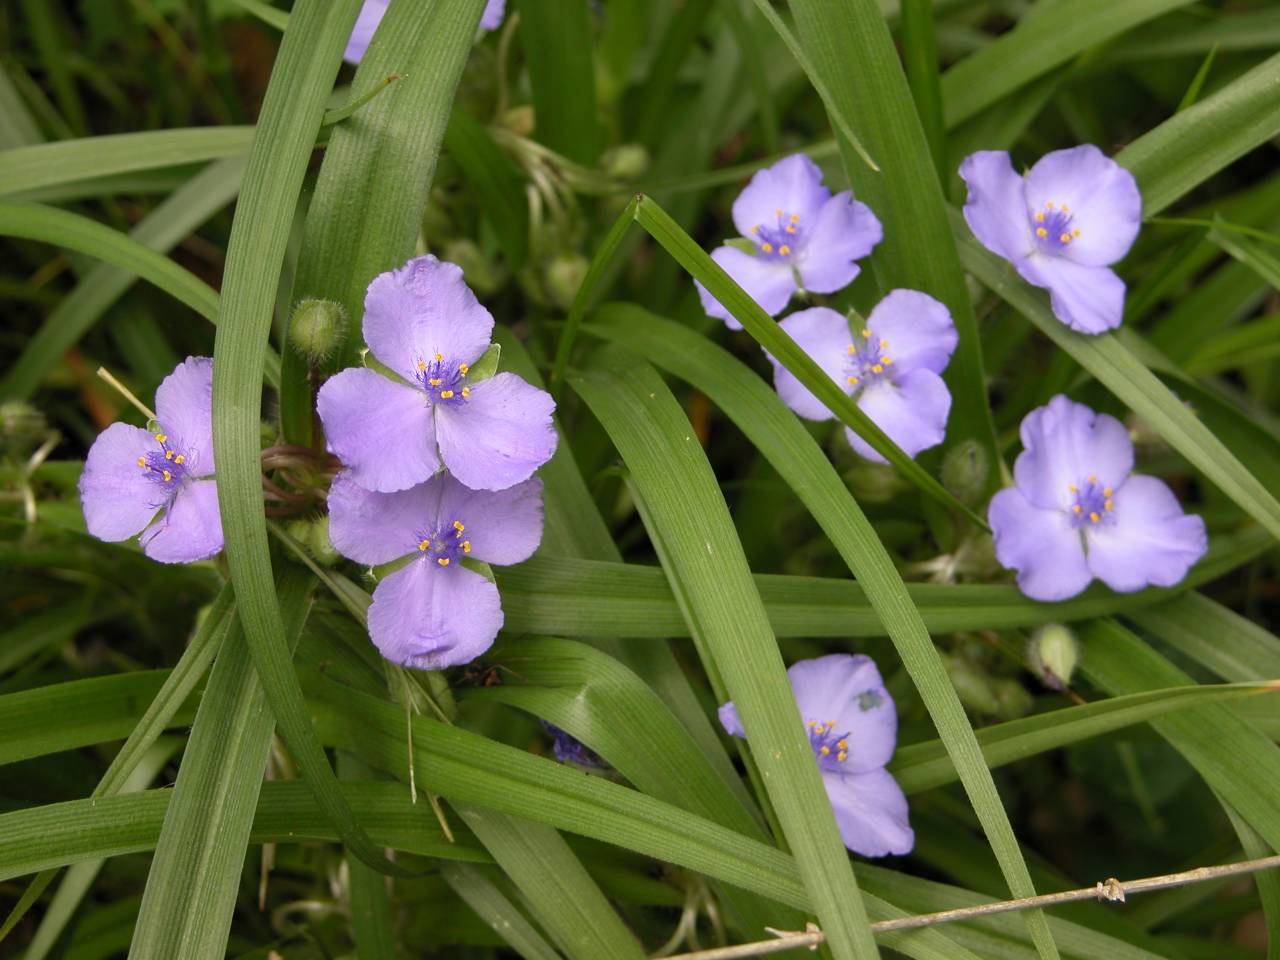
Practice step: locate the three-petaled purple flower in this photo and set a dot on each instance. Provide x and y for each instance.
(131, 475)
(891, 367)
(434, 612)
(804, 238)
(1077, 513)
(1074, 214)
(853, 728)
(423, 323)
(371, 15)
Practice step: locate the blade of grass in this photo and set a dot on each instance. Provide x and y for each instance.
(556, 38)
(480, 893)
(920, 58)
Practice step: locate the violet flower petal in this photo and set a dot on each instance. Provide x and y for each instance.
(494, 11)
(824, 335)
(847, 693)
(1087, 299)
(421, 311)
(1101, 196)
(1065, 444)
(499, 435)
(871, 812)
(118, 497)
(793, 186)
(843, 231)
(919, 330)
(428, 618)
(362, 33)
(375, 528)
(996, 209)
(184, 410)
(1040, 544)
(190, 530)
(1149, 541)
(503, 527)
(912, 409)
(770, 283)
(382, 431)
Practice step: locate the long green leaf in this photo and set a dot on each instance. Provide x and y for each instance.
(482, 895)
(557, 47)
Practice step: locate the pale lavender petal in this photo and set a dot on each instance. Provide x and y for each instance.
(502, 526)
(373, 528)
(846, 692)
(184, 410)
(918, 329)
(871, 812)
(499, 435)
(382, 431)
(1087, 299)
(728, 715)
(1040, 544)
(1065, 444)
(769, 282)
(1148, 540)
(1101, 197)
(366, 23)
(792, 186)
(824, 335)
(190, 530)
(843, 232)
(116, 494)
(912, 410)
(428, 618)
(422, 310)
(996, 210)
(494, 11)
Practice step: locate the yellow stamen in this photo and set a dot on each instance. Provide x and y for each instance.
(422, 545)
(435, 381)
(1039, 218)
(791, 229)
(842, 744)
(464, 369)
(851, 349)
(167, 476)
(886, 360)
(866, 332)
(459, 525)
(784, 249)
(1065, 208)
(795, 218)
(842, 756)
(1107, 491)
(767, 247)
(1075, 232)
(884, 344)
(818, 728)
(1092, 478)
(1064, 238)
(852, 381)
(1109, 505)
(168, 454)
(443, 561)
(1041, 232)
(422, 364)
(446, 394)
(161, 437)
(466, 546)
(142, 462)
(466, 391)
(777, 211)
(179, 459)
(1048, 204)
(1073, 488)
(1077, 508)
(877, 369)
(439, 357)
(1094, 517)
(825, 751)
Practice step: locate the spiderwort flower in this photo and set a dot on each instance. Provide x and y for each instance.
(1076, 512)
(890, 368)
(804, 238)
(434, 612)
(131, 475)
(371, 15)
(423, 322)
(853, 728)
(569, 749)
(1074, 214)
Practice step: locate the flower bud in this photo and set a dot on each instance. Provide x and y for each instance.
(22, 427)
(1012, 699)
(317, 329)
(626, 161)
(964, 470)
(564, 276)
(319, 544)
(1054, 653)
(519, 120)
(871, 482)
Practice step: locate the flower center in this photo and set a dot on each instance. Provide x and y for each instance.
(868, 360)
(778, 240)
(1053, 227)
(829, 747)
(445, 545)
(442, 380)
(165, 467)
(1091, 504)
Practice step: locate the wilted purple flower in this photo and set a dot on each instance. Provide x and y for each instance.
(373, 10)
(424, 323)
(890, 368)
(1076, 513)
(569, 749)
(130, 475)
(434, 612)
(853, 728)
(1075, 212)
(805, 238)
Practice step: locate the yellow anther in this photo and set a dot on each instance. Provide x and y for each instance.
(852, 381)
(161, 437)
(1071, 487)
(1041, 232)
(435, 381)
(756, 228)
(423, 544)
(808, 723)
(1065, 208)
(459, 525)
(1092, 478)
(791, 229)
(866, 332)
(1064, 238)
(1077, 508)
(466, 391)
(831, 724)
(884, 344)
(422, 364)
(179, 459)
(825, 751)
(877, 369)
(446, 394)
(1107, 491)
(842, 744)
(1075, 232)
(443, 561)
(466, 546)
(439, 357)
(784, 249)
(777, 211)
(767, 247)
(1039, 218)
(1094, 517)
(886, 360)
(795, 218)
(842, 756)
(851, 349)
(142, 462)
(168, 454)
(818, 728)
(1048, 204)
(1109, 505)
(464, 369)
(167, 476)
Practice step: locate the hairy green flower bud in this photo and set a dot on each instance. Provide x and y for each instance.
(1012, 699)
(626, 161)
(564, 276)
(318, 542)
(964, 471)
(317, 329)
(1054, 653)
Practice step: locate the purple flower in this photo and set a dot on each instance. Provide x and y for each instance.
(890, 368)
(424, 323)
(853, 729)
(1076, 512)
(131, 475)
(1061, 226)
(434, 612)
(569, 749)
(805, 238)
(373, 10)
